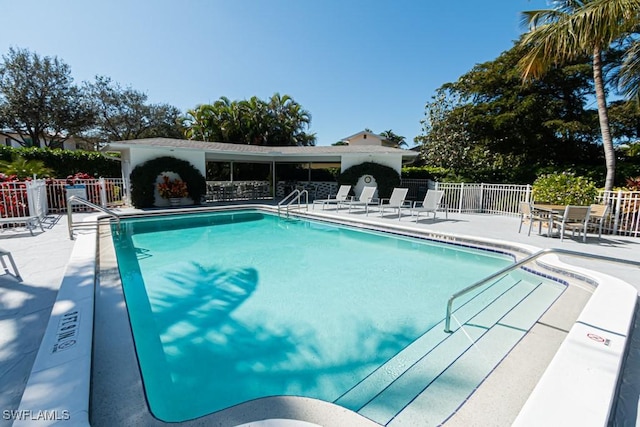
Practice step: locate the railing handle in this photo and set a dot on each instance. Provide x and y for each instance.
(510, 268)
(91, 205)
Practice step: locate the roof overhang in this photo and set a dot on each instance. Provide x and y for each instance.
(217, 151)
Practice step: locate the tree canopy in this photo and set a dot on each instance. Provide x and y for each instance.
(124, 113)
(572, 29)
(38, 100)
(490, 125)
(278, 121)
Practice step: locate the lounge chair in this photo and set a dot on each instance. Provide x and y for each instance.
(529, 213)
(365, 199)
(430, 204)
(574, 218)
(598, 214)
(340, 196)
(396, 201)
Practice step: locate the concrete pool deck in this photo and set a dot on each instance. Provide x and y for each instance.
(41, 260)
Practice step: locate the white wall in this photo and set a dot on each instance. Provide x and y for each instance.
(369, 140)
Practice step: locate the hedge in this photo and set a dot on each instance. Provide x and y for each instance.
(386, 178)
(66, 162)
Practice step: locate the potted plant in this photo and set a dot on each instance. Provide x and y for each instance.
(173, 190)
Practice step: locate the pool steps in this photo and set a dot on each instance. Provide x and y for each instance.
(423, 376)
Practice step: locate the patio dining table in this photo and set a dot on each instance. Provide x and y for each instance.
(550, 211)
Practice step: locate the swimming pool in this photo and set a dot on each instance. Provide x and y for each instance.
(229, 307)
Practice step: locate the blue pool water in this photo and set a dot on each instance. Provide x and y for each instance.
(230, 307)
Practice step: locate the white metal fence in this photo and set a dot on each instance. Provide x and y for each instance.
(496, 199)
(39, 197)
(503, 199)
(106, 192)
(624, 218)
(13, 200)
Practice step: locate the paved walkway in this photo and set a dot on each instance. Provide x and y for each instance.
(25, 306)
(505, 228)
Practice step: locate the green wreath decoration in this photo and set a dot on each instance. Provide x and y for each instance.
(143, 180)
(386, 178)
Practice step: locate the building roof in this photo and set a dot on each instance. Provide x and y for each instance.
(225, 151)
(364, 132)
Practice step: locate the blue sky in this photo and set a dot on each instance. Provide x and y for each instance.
(352, 63)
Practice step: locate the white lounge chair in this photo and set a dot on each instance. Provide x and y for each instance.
(365, 199)
(430, 204)
(396, 201)
(574, 218)
(340, 196)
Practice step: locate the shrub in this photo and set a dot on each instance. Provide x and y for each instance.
(143, 180)
(633, 184)
(386, 178)
(65, 162)
(434, 173)
(564, 189)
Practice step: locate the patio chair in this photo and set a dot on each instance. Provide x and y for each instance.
(364, 200)
(598, 214)
(340, 196)
(528, 213)
(396, 201)
(430, 204)
(574, 218)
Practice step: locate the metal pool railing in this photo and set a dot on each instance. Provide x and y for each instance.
(294, 196)
(510, 268)
(75, 199)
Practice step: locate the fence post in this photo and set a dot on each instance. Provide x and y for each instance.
(616, 220)
(31, 199)
(528, 194)
(461, 197)
(482, 197)
(103, 192)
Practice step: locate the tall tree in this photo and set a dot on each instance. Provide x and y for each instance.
(397, 140)
(490, 125)
(574, 28)
(279, 121)
(38, 100)
(124, 113)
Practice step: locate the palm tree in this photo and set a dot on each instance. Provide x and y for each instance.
(570, 31)
(24, 168)
(397, 140)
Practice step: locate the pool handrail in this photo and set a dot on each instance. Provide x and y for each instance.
(293, 197)
(510, 268)
(89, 204)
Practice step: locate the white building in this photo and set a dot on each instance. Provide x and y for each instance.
(198, 153)
(367, 138)
(69, 144)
